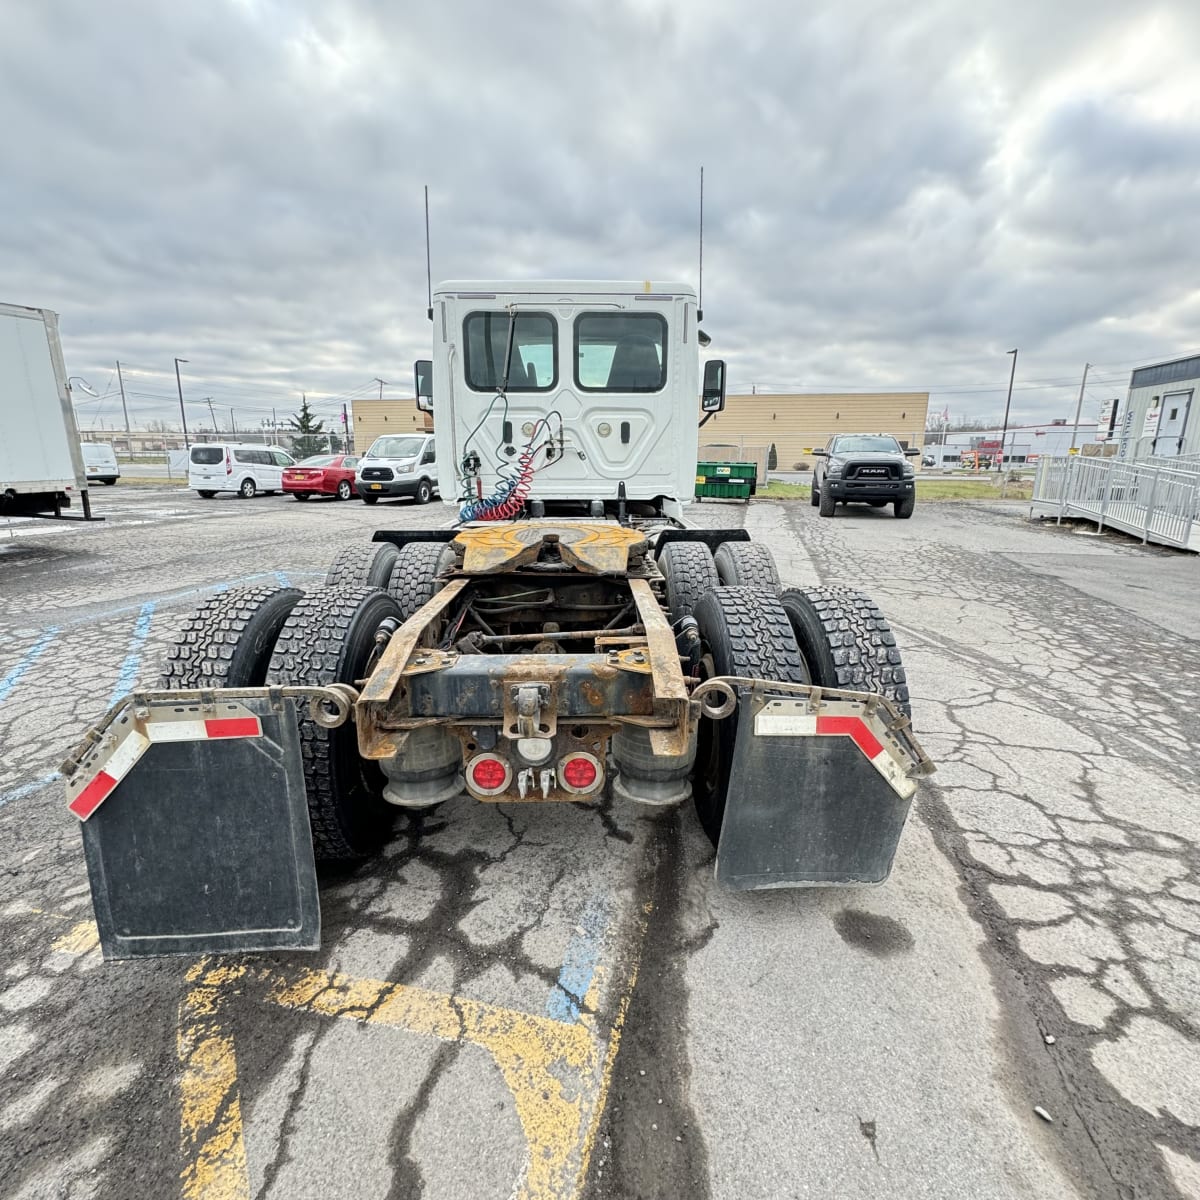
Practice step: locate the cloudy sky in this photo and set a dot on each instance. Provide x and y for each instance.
(896, 191)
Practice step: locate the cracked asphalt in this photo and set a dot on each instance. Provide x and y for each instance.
(558, 1001)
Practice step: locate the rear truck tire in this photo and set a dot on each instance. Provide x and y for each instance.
(828, 505)
(814, 496)
(743, 632)
(904, 508)
(247, 489)
(344, 490)
(689, 570)
(414, 577)
(370, 499)
(424, 492)
(846, 642)
(229, 639)
(206, 495)
(746, 564)
(108, 482)
(330, 638)
(362, 564)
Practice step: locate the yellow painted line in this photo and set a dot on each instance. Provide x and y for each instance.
(211, 1137)
(80, 939)
(548, 1065)
(556, 1071)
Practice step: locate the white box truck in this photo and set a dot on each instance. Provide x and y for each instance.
(41, 467)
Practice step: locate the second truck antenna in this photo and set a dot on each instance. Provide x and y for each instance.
(700, 298)
(428, 269)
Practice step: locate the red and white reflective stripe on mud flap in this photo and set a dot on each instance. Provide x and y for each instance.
(768, 724)
(119, 763)
(203, 731)
(135, 744)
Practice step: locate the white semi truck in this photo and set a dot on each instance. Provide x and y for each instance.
(41, 467)
(570, 638)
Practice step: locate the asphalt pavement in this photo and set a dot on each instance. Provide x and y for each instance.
(558, 1001)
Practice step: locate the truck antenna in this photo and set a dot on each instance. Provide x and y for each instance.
(700, 298)
(428, 268)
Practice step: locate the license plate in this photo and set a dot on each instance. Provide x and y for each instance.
(377, 487)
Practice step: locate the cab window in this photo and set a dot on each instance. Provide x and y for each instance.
(533, 364)
(620, 352)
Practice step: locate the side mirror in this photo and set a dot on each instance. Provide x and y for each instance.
(820, 454)
(423, 370)
(911, 451)
(712, 397)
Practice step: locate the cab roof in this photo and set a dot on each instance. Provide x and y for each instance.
(483, 288)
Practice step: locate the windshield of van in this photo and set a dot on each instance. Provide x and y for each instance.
(207, 455)
(396, 447)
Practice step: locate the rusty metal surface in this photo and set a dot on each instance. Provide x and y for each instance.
(387, 677)
(670, 690)
(595, 549)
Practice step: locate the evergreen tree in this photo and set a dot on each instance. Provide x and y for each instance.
(311, 440)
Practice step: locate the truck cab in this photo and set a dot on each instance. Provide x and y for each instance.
(577, 393)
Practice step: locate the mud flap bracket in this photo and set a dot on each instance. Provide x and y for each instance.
(818, 794)
(202, 846)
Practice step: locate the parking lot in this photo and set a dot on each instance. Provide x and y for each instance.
(557, 1001)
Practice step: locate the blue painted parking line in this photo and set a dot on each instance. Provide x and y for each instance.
(128, 674)
(27, 788)
(34, 652)
(168, 598)
(579, 961)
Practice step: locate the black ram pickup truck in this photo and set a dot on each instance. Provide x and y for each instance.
(864, 468)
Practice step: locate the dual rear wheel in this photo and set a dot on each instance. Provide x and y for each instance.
(751, 628)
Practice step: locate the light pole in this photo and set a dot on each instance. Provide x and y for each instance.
(1007, 403)
(182, 414)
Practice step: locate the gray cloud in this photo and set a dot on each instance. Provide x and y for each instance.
(895, 194)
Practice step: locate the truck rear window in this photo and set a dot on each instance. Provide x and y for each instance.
(533, 363)
(207, 455)
(620, 352)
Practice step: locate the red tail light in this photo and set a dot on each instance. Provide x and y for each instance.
(489, 774)
(579, 772)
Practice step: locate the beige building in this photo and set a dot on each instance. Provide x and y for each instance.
(799, 423)
(796, 424)
(374, 418)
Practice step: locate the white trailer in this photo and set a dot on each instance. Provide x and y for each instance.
(41, 467)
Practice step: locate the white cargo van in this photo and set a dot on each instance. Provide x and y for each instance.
(99, 462)
(231, 467)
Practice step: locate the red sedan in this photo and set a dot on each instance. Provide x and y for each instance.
(322, 475)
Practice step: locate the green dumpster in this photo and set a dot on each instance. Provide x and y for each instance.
(726, 480)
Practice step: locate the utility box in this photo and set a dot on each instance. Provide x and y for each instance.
(726, 480)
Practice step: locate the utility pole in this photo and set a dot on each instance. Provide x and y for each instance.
(1007, 403)
(123, 408)
(232, 421)
(346, 431)
(182, 414)
(1079, 405)
(212, 416)
(381, 382)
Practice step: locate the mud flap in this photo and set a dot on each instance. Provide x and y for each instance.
(195, 830)
(815, 798)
